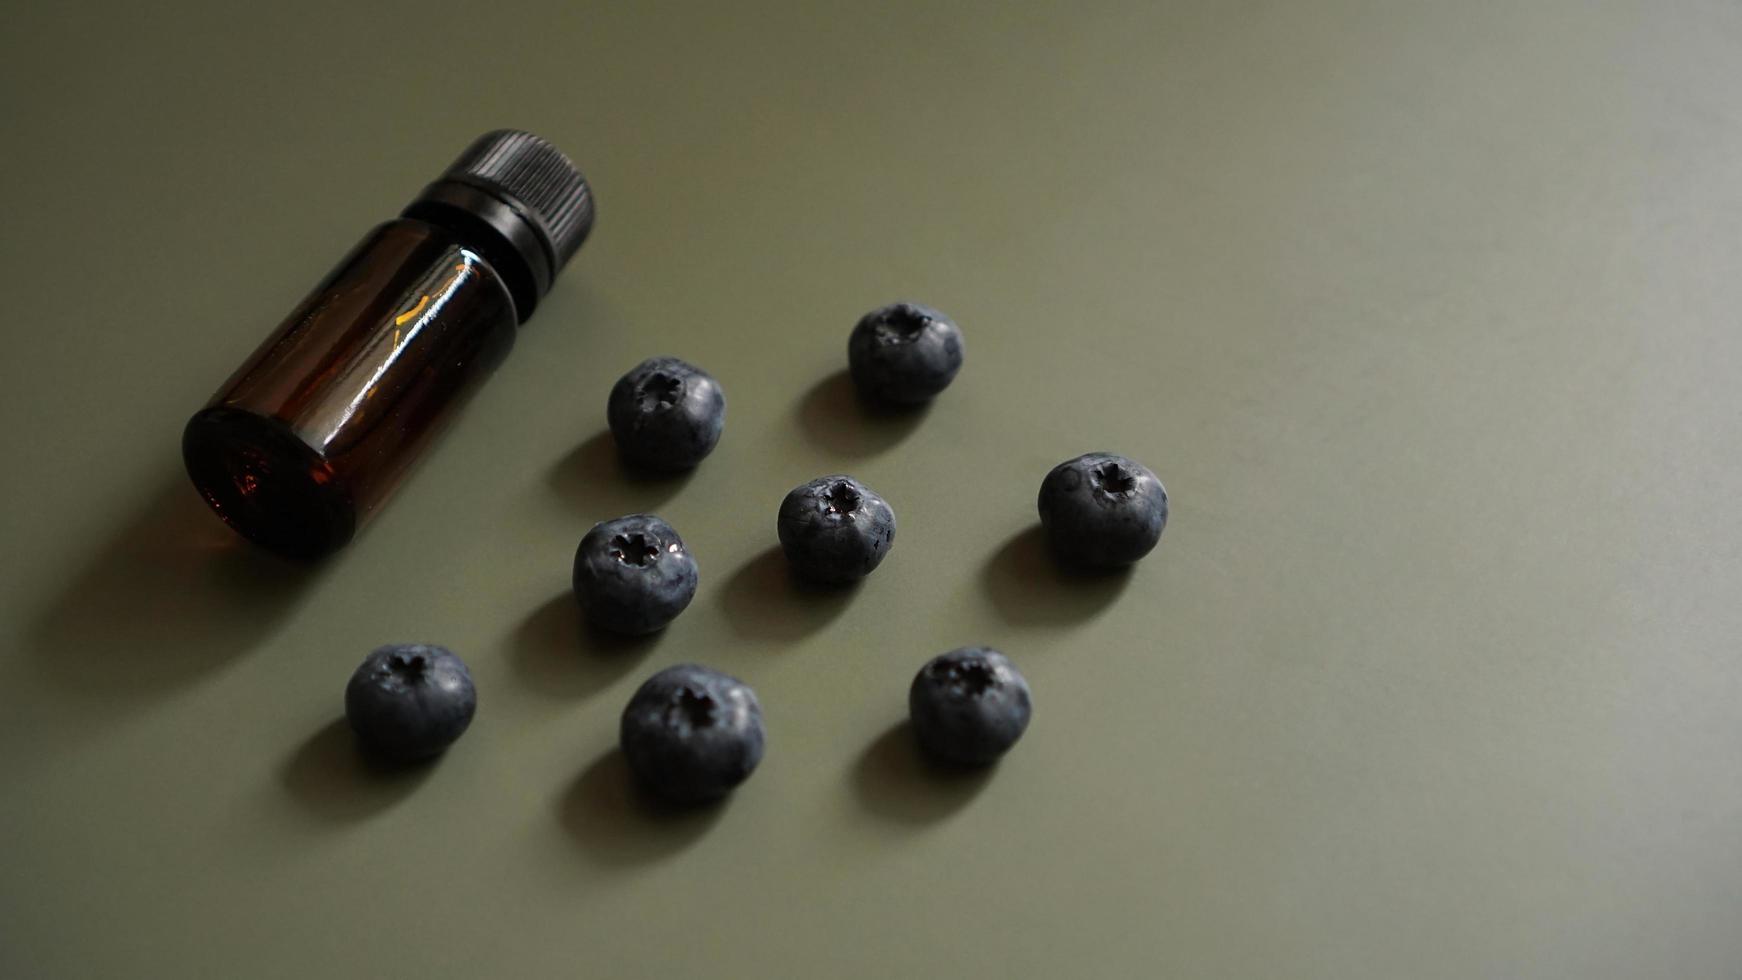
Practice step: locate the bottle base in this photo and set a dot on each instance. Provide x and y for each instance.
(266, 483)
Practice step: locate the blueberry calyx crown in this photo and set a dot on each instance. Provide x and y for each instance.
(1112, 478)
(842, 498)
(901, 324)
(658, 391)
(966, 679)
(635, 549)
(690, 708)
(408, 668)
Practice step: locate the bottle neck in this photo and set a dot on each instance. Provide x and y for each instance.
(496, 230)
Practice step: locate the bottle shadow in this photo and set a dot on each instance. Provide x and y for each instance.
(1030, 587)
(763, 600)
(174, 594)
(833, 416)
(556, 652)
(598, 481)
(894, 779)
(335, 779)
(619, 824)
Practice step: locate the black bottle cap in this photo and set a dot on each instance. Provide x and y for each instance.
(520, 202)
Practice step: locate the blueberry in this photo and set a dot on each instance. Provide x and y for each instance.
(1102, 510)
(969, 706)
(835, 530)
(666, 414)
(691, 734)
(904, 353)
(633, 574)
(410, 701)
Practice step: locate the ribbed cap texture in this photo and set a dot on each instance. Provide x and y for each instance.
(539, 177)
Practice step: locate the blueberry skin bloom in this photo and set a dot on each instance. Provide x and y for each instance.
(410, 701)
(835, 530)
(633, 574)
(666, 414)
(1102, 511)
(904, 353)
(691, 734)
(969, 706)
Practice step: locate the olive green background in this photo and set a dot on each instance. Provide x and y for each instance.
(1426, 313)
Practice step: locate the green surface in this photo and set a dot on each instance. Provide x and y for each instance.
(1425, 312)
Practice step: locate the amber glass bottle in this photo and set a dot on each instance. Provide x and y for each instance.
(314, 430)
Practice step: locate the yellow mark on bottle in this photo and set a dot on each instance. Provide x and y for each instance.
(399, 321)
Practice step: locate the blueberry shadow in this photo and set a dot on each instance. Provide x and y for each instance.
(619, 824)
(557, 653)
(331, 776)
(834, 416)
(894, 779)
(1030, 587)
(172, 595)
(762, 600)
(598, 481)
